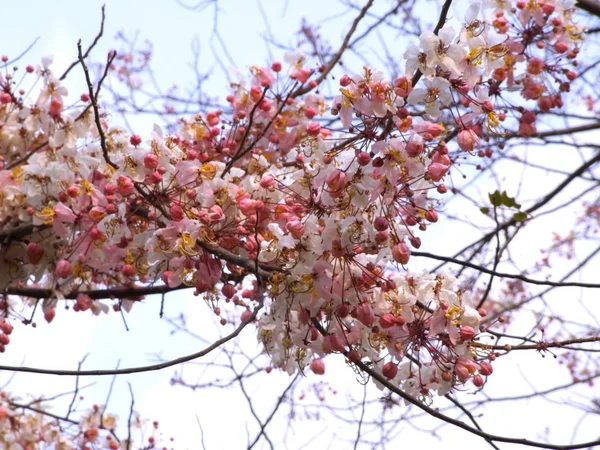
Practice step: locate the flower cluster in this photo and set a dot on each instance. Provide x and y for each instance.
(324, 223)
(26, 425)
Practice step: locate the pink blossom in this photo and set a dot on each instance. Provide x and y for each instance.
(364, 313)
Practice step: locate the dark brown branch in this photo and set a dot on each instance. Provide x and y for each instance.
(504, 275)
(94, 100)
(96, 294)
(338, 55)
(590, 6)
(87, 52)
(140, 369)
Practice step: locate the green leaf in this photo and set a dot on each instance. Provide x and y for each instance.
(485, 210)
(495, 198)
(498, 198)
(520, 216)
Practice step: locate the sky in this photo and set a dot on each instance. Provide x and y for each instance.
(57, 26)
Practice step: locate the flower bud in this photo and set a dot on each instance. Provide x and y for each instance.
(401, 252)
(342, 310)
(387, 320)
(313, 129)
(381, 223)
(467, 333)
(150, 161)
(431, 216)
(485, 368)
(317, 366)
(436, 171)
(363, 158)
(390, 370)
(63, 269)
(414, 148)
(478, 381)
(354, 356)
(345, 80)
(177, 213)
(246, 315)
(415, 241)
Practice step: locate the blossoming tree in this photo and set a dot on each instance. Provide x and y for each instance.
(299, 214)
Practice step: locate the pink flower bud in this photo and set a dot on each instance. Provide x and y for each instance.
(467, 333)
(528, 117)
(276, 66)
(401, 252)
(387, 320)
(354, 356)
(447, 376)
(55, 108)
(478, 381)
(342, 310)
(34, 253)
(135, 140)
(177, 213)
(467, 140)
(6, 327)
(436, 171)
(364, 313)
(336, 181)
(381, 223)
(464, 368)
(83, 302)
(310, 112)
(435, 129)
(461, 372)
(548, 8)
(390, 370)
(485, 368)
(345, 80)
(124, 185)
(363, 158)
(317, 366)
(63, 268)
(414, 148)
(228, 290)
(415, 241)
(49, 314)
(150, 161)
(128, 270)
(313, 129)
(561, 47)
(431, 216)
(246, 315)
